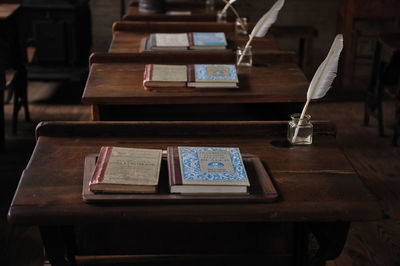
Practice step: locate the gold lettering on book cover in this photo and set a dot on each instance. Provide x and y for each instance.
(215, 162)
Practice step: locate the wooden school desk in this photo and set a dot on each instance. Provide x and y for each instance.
(319, 191)
(197, 10)
(129, 36)
(266, 92)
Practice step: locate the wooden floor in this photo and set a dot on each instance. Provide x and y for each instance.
(378, 164)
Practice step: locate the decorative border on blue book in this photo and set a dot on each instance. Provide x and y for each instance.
(191, 173)
(209, 38)
(202, 73)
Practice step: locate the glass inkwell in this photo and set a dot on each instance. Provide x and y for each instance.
(300, 131)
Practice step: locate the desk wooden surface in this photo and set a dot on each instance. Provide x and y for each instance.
(127, 36)
(316, 182)
(122, 83)
(6, 10)
(115, 90)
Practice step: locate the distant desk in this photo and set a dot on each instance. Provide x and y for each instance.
(319, 192)
(127, 35)
(193, 12)
(266, 92)
(6, 10)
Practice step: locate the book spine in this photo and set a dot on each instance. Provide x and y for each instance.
(171, 171)
(191, 38)
(190, 73)
(148, 74)
(153, 39)
(174, 171)
(101, 165)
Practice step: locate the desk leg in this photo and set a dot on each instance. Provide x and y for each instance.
(331, 238)
(95, 112)
(397, 118)
(2, 120)
(59, 244)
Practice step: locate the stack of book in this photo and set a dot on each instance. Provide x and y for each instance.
(186, 41)
(189, 76)
(192, 170)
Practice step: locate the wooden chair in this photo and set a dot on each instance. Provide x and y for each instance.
(385, 79)
(13, 65)
(350, 13)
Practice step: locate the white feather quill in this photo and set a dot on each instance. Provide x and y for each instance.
(223, 11)
(263, 25)
(236, 14)
(323, 77)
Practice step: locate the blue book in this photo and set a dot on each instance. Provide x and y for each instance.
(206, 170)
(208, 40)
(212, 76)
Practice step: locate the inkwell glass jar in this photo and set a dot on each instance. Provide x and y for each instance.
(300, 131)
(241, 26)
(247, 59)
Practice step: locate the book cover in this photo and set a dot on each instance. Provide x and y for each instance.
(212, 76)
(156, 75)
(215, 73)
(126, 170)
(170, 40)
(209, 39)
(206, 170)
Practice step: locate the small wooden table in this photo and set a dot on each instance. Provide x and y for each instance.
(197, 12)
(128, 36)
(266, 92)
(319, 192)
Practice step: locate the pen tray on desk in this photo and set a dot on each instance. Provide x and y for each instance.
(261, 187)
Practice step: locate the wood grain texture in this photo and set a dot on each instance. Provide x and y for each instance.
(6, 10)
(123, 84)
(312, 188)
(378, 164)
(376, 161)
(127, 36)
